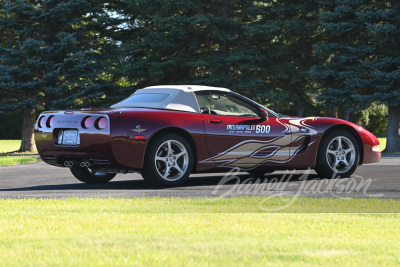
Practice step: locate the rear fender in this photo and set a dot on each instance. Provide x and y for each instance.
(148, 124)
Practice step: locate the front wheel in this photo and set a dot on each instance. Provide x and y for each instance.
(338, 155)
(89, 176)
(168, 161)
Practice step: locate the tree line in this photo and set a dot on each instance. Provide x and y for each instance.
(336, 58)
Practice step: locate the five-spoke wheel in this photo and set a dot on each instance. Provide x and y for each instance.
(341, 154)
(171, 160)
(168, 160)
(338, 155)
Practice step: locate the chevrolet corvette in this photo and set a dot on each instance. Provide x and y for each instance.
(168, 132)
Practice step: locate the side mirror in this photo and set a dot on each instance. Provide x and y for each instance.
(205, 110)
(263, 115)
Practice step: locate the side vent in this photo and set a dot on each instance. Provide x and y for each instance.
(305, 145)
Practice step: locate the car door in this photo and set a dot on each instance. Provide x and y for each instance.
(237, 136)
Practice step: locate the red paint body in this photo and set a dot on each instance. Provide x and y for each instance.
(115, 147)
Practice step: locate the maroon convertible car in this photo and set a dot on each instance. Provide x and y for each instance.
(168, 132)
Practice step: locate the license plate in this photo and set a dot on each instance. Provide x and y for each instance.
(70, 137)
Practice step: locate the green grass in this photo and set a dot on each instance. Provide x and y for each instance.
(181, 232)
(7, 158)
(9, 145)
(382, 143)
(12, 160)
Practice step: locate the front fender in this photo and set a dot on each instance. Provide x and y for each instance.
(368, 142)
(317, 127)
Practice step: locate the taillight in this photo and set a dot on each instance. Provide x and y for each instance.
(101, 123)
(50, 121)
(87, 122)
(42, 122)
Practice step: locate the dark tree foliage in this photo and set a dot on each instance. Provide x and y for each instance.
(361, 58)
(280, 35)
(66, 54)
(55, 54)
(181, 41)
(262, 49)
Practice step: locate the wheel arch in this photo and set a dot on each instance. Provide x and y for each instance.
(178, 131)
(352, 131)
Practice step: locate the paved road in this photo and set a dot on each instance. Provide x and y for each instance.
(39, 180)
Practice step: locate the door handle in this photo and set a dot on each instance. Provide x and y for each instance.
(215, 121)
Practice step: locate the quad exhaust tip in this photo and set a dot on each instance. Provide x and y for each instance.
(68, 163)
(83, 164)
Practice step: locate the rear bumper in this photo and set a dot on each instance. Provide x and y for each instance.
(93, 148)
(58, 158)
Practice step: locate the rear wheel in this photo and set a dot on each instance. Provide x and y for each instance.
(168, 161)
(89, 176)
(338, 155)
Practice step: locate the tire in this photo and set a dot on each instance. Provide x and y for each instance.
(168, 161)
(91, 177)
(338, 155)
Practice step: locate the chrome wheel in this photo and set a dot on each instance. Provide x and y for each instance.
(171, 160)
(341, 154)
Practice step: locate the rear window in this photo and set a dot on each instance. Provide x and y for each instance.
(146, 98)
